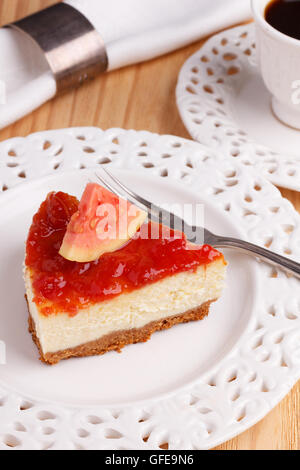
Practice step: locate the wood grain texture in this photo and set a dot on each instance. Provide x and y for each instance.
(143, 97)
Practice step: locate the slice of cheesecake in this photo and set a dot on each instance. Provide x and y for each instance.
(82, 309)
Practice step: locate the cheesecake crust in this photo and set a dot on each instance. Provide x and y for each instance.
(117, 340)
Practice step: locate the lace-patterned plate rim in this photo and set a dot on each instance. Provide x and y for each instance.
(208, 98)
(256, 374)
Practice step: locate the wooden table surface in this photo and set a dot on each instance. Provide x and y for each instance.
(143, 97)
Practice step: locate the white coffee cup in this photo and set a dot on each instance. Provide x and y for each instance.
(278, 57)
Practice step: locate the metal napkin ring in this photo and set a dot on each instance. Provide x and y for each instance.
(73, 48)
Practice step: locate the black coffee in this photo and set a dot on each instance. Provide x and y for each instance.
(284, 15)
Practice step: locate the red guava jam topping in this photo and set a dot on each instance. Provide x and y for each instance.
(66, 286)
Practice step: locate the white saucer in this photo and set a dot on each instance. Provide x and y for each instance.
(224, 103)
(191, 387)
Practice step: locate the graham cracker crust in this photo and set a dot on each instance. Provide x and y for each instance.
(117, 340)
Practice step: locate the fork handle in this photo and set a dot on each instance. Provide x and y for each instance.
(270, 257)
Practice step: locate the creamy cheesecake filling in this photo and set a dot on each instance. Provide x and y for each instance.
(168, 297)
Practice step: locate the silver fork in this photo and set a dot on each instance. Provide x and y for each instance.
(197, 233)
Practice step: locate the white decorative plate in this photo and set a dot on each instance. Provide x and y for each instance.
(224, 104)
(191, 387)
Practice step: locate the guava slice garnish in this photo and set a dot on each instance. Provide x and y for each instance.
(103, 224)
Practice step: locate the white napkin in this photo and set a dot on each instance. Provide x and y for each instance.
(132, 30)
